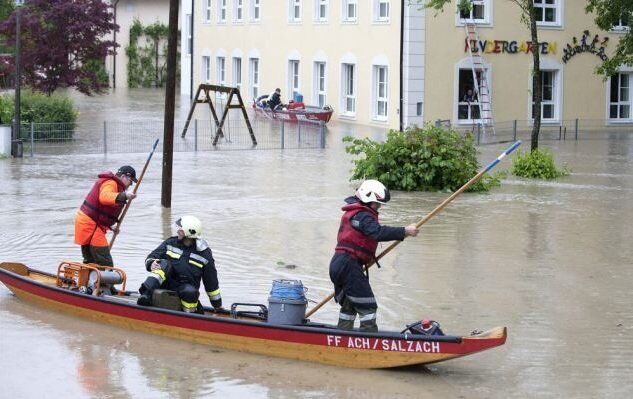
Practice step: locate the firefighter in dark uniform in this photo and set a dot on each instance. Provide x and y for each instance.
(358, 237)
(179, 263)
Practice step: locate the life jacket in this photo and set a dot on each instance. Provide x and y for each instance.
(103, 215)
(296, 105)
(353, 241)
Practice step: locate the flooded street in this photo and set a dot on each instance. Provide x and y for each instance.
(549, 260)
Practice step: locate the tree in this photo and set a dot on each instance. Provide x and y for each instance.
(608, 14)
(528, 17)
(61, 40)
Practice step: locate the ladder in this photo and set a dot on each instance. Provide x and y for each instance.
(482, 89)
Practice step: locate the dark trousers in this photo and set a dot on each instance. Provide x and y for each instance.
(98, 255)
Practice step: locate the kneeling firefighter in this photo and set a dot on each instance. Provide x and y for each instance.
(179, 263)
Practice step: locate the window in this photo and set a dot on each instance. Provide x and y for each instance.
(222, 11)
(189, 32)
(549, 90)
(206, 69)
(319, 84)
(254, 77)
(238, 11)
(468, 106)
(547, 12)
(294, 10)
(620, 96)
(349, 90)
(350, 10)
(221, 75)
(206, 11)
(380, 92)
(478, 11)
(320, 10)
(255, 10)
(381, 10)
(624, 23)
(237, 73)
(293, 78)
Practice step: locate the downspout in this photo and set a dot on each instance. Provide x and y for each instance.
(192, 42)
(116, 3)
(402, 5)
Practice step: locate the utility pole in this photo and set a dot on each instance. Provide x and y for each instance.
(16, 148)
(170, 104)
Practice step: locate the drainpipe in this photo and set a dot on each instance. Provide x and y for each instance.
(116, 3)
(402, 5)
(192, 41)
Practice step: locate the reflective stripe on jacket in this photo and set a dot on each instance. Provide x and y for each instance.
(353, 241)
(105, 215)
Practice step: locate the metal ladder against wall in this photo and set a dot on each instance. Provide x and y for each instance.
(482, 89)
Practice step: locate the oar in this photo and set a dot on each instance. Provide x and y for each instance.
(127, 206)
(430, 215)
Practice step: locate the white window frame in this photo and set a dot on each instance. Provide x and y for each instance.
(620, 103)
(294, 77)
(253, 80)
(256, 10)
(621, 26)
(207, 13)
(320, 84)
(221, 70)
(295, 11)
(318, 6)
(222, 11)
(349, 81)
(379, 98)
(188, 32)
(378, 7)
(558, 12)
(471, 105)
(236, 68)
(556, 96)
(487, 13)
(238, 11)
(346, 16)
(205, 69)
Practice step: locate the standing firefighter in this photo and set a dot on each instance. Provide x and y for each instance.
(179, 263)
(357, 240)
(100, 211)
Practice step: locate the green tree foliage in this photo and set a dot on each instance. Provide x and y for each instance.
(608, 13)
(40, 108)
(427, 159)
(537, 164)
(147, 55)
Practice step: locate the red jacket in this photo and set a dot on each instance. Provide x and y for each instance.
(104, 215)
(353, 241)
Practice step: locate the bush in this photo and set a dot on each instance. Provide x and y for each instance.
(537, 164)
(427, 159)
(40, 108)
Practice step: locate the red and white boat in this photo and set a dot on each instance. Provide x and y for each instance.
(293, 112)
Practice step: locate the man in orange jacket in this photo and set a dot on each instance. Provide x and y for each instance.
(100, 211)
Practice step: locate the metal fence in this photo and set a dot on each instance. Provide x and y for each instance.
(138, 136)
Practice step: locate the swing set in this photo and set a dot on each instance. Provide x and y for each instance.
(219, 123)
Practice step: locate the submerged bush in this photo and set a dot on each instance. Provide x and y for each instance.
(419, 159)
(537, 164)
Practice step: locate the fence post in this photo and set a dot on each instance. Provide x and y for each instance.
(438, 123)
(195, 134)
(322, 131)
(478, 133)
(560, 132)
(105, 136)
(565, 133)
(32, 138)
(282, 134)
(514, 130)
(576, 129)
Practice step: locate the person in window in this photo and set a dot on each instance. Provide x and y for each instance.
(179, 264)
(274, 100)
(469, 96)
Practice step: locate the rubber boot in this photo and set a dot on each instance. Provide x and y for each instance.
(146, 290)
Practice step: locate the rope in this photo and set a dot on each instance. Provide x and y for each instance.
(288, 289)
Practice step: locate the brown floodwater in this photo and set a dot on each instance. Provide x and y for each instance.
(551, 261)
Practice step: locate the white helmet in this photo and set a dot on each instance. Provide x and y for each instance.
(190, 225)
(373, 191)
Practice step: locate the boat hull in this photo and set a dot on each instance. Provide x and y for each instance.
(320, 345)
(309, 114)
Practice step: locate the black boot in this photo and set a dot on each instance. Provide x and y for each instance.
(146, 290)
(144, 300)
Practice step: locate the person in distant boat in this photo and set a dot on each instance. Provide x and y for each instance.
(357, 240)
(274, 99)
(100, 211)
(179, 263)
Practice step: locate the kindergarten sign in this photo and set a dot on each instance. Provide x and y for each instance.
(507, 47)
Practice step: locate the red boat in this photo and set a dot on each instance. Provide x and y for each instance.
(83, 291)
(293, 112)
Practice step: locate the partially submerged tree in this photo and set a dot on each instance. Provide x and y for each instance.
(528, 17)
(61, 40)
(610, 13)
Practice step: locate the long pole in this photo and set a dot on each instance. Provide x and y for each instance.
(170, 103)
(430, 215)
(18, 73)
(138, 183)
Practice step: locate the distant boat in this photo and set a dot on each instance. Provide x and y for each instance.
(307, 113)
(76, 290)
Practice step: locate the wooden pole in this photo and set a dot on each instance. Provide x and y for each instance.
(170, 103)
(429, 216)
